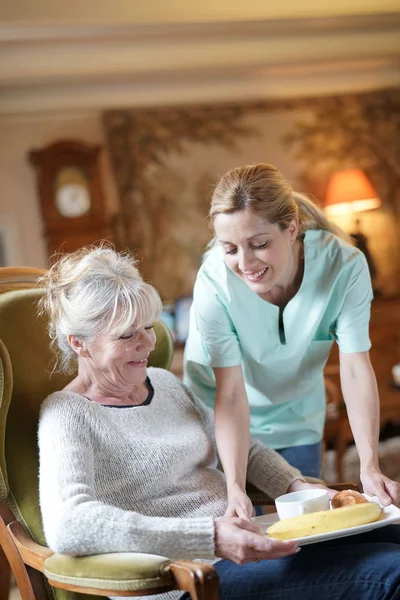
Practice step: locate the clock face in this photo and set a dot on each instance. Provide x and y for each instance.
(72, 200)
(72, 196)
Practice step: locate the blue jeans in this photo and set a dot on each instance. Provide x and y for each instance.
(360, 567)
(305, 458)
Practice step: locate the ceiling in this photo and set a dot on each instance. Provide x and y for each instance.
(181, 11)
(72, 66)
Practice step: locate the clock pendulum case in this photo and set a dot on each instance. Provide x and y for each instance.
(71, 195)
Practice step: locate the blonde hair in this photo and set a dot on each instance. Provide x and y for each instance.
(262, 189)
(93, 291)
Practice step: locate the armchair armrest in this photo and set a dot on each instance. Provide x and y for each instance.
(116, 574)
(200, 579)
(32, 554)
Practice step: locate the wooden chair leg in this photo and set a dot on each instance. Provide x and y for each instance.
(5, 576)
(201, 582)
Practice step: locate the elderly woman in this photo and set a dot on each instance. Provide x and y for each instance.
(128, 460)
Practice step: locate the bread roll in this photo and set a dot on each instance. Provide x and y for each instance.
(347, 498)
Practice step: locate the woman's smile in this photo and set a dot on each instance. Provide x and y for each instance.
(138, 363)
(255, 276)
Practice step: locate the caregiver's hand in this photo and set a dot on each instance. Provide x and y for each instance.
(376, 484)
(239, 504)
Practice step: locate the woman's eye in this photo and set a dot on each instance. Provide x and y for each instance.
(261, 246)
(128, 336)
(231, 251)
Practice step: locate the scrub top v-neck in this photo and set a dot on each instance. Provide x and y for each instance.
(282, 353)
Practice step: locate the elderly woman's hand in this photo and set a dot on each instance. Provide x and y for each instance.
(241, 541)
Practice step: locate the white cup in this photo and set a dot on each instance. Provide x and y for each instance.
(302, 503)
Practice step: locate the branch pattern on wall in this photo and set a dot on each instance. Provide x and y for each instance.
(163, 206)
(360, 130)
(154, 209)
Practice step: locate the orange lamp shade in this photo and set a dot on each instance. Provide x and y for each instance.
(350, 191)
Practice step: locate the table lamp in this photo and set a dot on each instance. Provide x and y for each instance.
(350, 192)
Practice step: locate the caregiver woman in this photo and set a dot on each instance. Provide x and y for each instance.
(278, 287)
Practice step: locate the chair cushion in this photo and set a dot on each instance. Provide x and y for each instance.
(122, 571)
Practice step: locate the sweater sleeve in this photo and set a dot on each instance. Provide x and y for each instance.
(76, 522)
(268, 471)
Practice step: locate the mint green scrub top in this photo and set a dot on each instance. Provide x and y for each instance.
(282, 366)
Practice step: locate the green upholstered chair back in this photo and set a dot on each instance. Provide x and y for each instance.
(24, 334)
(25, 337)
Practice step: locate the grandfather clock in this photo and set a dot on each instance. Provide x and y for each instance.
(71, 194)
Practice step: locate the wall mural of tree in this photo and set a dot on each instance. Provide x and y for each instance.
(151, 199)
(358, 131)
(353, 131)
(165, 222)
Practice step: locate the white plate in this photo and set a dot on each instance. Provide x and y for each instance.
(390, 514)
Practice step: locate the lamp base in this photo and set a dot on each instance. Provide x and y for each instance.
(361, 242)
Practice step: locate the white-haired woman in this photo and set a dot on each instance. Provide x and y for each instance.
(128, 461)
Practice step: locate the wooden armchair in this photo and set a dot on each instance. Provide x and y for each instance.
(17, 278)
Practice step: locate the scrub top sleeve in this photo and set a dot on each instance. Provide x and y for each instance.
(215, 326)
(352, 326)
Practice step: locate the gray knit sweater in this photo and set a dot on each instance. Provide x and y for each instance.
(138, 479)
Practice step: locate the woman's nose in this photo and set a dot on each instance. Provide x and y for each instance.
(245, 261)
(147, 339)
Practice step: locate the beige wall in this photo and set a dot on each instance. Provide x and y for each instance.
(19, 205)
(163, 11)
